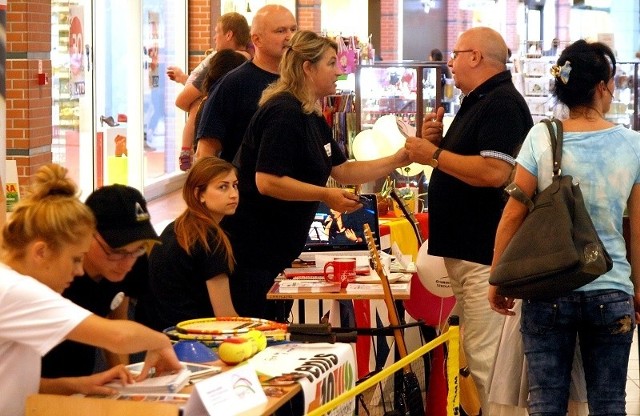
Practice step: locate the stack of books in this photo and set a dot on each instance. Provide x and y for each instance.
(308, 286)
(396, 288)
(317, 273)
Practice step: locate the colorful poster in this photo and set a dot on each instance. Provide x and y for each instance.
(324, 371)
(76, 51)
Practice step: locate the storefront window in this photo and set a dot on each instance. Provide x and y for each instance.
(113, 112)
(163, 45)
(71, 84)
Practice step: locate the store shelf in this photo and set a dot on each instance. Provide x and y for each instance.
(406, 89)
(535, 85)
(625, 108)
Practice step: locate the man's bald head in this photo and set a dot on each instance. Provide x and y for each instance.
(489, 42)
(265, 14)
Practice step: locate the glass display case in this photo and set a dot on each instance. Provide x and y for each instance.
(536, 85)
(625, 106)
(407, 89)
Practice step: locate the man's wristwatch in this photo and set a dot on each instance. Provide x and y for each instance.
(434, 159)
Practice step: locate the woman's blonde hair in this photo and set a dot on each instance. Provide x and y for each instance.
(196, 223)
(51, 212)
(305, 46)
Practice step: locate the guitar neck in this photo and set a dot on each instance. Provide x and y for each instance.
(388, 296)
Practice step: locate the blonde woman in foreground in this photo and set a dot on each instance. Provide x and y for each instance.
(43, 246)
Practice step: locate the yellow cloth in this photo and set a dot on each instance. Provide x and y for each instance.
(401, 232)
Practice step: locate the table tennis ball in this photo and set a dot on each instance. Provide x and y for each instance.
(235, 350)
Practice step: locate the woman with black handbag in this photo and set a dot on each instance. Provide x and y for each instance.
(605, 159)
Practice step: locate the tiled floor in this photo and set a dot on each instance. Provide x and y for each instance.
(165, 209)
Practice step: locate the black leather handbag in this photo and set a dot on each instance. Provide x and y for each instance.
(556, 249)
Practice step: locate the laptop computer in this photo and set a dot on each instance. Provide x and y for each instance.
(336, 234)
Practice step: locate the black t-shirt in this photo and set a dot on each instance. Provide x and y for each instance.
(231, 104)
(281, 140)
(463, 218)
(177, 281)
(70, 358)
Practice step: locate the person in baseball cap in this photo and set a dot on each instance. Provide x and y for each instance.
(122, 216)
(116, 270)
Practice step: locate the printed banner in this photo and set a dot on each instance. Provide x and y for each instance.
(324, 370)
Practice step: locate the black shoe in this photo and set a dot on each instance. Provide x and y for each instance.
(109, 120)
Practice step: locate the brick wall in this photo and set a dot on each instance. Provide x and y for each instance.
(28, 104)
(308, 15)
(201, 26)
(389, 30)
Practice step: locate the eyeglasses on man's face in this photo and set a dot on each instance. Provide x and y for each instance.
(119, 255)
(454, 53)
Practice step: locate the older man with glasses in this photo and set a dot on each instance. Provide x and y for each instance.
(116, 269)
(472, 163)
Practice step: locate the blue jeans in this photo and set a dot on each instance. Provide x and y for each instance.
(604, 320)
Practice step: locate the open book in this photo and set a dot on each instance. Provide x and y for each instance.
(157, 383)
(163, 383)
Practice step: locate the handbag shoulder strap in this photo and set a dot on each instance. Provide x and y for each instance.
(556, 143)
(514, 190)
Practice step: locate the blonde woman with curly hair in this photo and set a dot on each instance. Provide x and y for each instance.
(44, 243)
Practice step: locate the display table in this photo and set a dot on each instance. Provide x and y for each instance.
(367, 310)
(392, 230)
(275, 294)
(58, 405)
(55, 405)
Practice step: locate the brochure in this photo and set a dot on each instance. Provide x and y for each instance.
(171, 382)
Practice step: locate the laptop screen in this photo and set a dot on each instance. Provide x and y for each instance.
(333, 231)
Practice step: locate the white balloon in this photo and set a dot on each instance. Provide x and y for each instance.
(392, 129)
(369, 145)
(411, 170)
(387, 125)
(432, 273)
